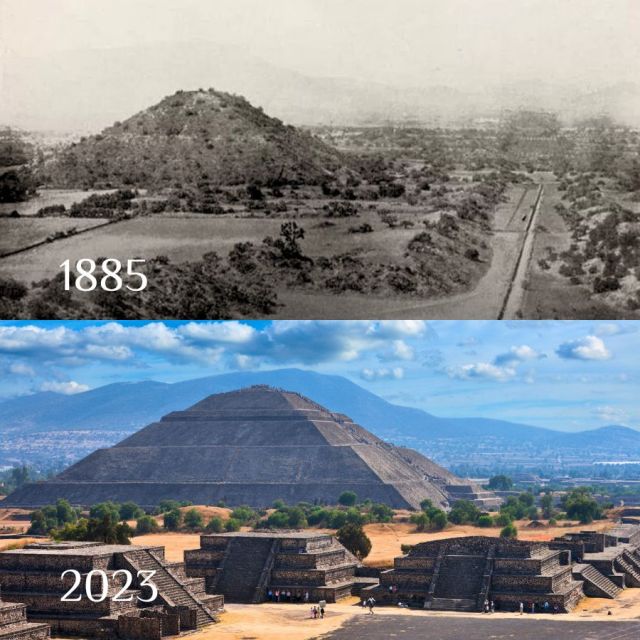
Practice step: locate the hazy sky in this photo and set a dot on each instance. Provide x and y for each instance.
(418, 42)
(566, 375)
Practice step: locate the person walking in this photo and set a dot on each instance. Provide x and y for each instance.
(321, 612)
(371, 603)
(521, 607)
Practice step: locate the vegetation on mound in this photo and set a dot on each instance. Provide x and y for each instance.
(190, 136)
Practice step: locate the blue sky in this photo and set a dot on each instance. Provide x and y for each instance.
(559, 374)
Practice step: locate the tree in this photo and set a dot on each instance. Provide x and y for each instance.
(102, 509)
(500, 483)
(193, 519)
(244, 514)
(172, 520)
(580, 505)
(464, 512)
(130, 511)
(290, 233)
(546, 504)
(347, 498)
(353, 537)
(146, 524)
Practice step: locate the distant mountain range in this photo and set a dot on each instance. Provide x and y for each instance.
(88, 90)
(125, 407)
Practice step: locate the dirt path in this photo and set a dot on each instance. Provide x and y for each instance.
(513, 230)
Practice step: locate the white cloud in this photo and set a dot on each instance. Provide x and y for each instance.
(21, 369)
(517, 354)
(611, 414)
(396, 373)
(587, 348)
(67, 388)
(483, 370)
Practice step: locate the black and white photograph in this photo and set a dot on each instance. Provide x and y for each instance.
(319, 159)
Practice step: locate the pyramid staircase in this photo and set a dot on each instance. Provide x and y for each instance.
(625, 563)
(459, 582)
(249, 558)
(170, 589)
(596, 584)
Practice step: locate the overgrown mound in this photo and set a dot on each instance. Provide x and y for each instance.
(192, 138)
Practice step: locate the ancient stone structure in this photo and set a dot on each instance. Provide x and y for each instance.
(251, 446)
(244, 567)
(14, 625)
(605, 562)
(33, 576)
(461, 573)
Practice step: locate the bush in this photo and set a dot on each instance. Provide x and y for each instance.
(485, 521)
(146, 524)
(353, 537)
(172, 520)
(215, 525)
(509, 531)
(503, 520)
(244, 514)
(347, 498)
(232, 525)
(193, 520)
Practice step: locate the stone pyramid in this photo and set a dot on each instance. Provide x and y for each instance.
(251, 446)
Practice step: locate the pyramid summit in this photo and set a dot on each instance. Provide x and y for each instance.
(251, 446)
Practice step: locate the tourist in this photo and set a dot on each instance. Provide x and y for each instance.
(321, 611)
(493, 607)
(546, 607)
(313, 612)
(306, 596)
(485, 609)
(371, 603)
(270, 595)
(556, 609)
(521, 607)
(533, 607)
(288, 596)
(277, 595)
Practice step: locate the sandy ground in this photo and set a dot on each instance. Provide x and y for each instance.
(293, 622)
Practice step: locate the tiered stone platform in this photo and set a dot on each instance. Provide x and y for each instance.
(485, 500)
(33, 576)
(14, 625)
(460, 573)
(606, 562)
(245, 566)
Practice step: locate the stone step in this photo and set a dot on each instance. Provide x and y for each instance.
(453, 604)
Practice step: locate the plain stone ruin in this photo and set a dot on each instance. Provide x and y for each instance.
(245, 567)
(32, 576)
(459, 574)
(14, 625)
(253, 446)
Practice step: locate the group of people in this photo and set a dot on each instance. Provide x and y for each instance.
(317, 612)
(369, 603)
(284, 595)
(489, 606)
(546, 607)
